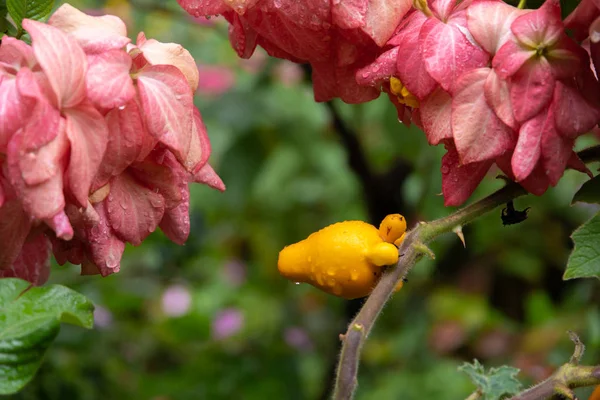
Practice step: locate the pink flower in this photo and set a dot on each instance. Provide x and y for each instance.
(526, 108)
(100, 142)
(176, 301)
(336, 38)
(297, 338)
(215, 80)
(227, 323)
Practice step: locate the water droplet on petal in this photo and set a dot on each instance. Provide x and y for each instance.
(121, 108)
(353, 276)
(445, 169)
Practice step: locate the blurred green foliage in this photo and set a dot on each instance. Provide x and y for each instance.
(214, 320)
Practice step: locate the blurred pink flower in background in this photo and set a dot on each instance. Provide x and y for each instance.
(234, 272)
(288, 73)
(214, 80)
(176, 301)
(297, 338)
(103, 318)
(227, 323)
(256, 62)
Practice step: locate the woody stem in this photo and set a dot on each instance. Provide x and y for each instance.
(411, 250)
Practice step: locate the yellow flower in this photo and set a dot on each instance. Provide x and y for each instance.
(344, 259)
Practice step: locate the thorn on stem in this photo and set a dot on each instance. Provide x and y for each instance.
(458, 230)
(342, 337)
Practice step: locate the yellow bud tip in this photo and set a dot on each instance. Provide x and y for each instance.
(392, 228)
(292, 262)
(383, 254)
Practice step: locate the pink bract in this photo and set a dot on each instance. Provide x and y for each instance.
(99, 140)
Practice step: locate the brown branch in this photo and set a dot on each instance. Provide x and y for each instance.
(410, 251)
(566, 378)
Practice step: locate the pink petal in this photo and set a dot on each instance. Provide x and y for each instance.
(33, 263)
(208, 176)
(510, 58)
(14, 110)
(157, 53)
(167, 104)
(330, 81)
(94, 34)
(72, 251)
(349, 14)
(460, 181)
(16, 53)
(199, 146)
(447, 53)
(379, 70)
(479, 134)
(531, 89)
(38, 162)
(107, 81)
(200, 8)
(14, 227)
(442, 8)
(497, 95)
(44, 199)
(489, 22)
(167, 178)
(581, 18)
(104, 248)
(528, 148)
(556, 151)
(567, 58)
(242, 36)
(176, 222)
(539, 27)
(133, 210)
(382, 18)
(125, 140)
(88, 134)
(574, 115)
(436, 114)
(63, 61)
(61, 225)
(409, 62)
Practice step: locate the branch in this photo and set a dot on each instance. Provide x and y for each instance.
(569, 376)
(412, 248)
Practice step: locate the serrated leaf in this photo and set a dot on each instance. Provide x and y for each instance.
(30, 319)
(584, 261)
(37, 10)
(589, 192)
(494, 384)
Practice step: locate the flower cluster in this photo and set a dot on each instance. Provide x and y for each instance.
(494, 83)
(335, 37)
(99, 139)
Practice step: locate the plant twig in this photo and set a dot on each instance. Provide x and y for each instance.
(411, 250)
(569, 376)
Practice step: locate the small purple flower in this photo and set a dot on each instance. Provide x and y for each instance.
(176, 301)
(297, 338)
(227, 323)
(103, 318)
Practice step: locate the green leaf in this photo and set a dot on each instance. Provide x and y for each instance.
(494, 384)
(584, 261)
(37, 10)
(589, 192)
(30, 319)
